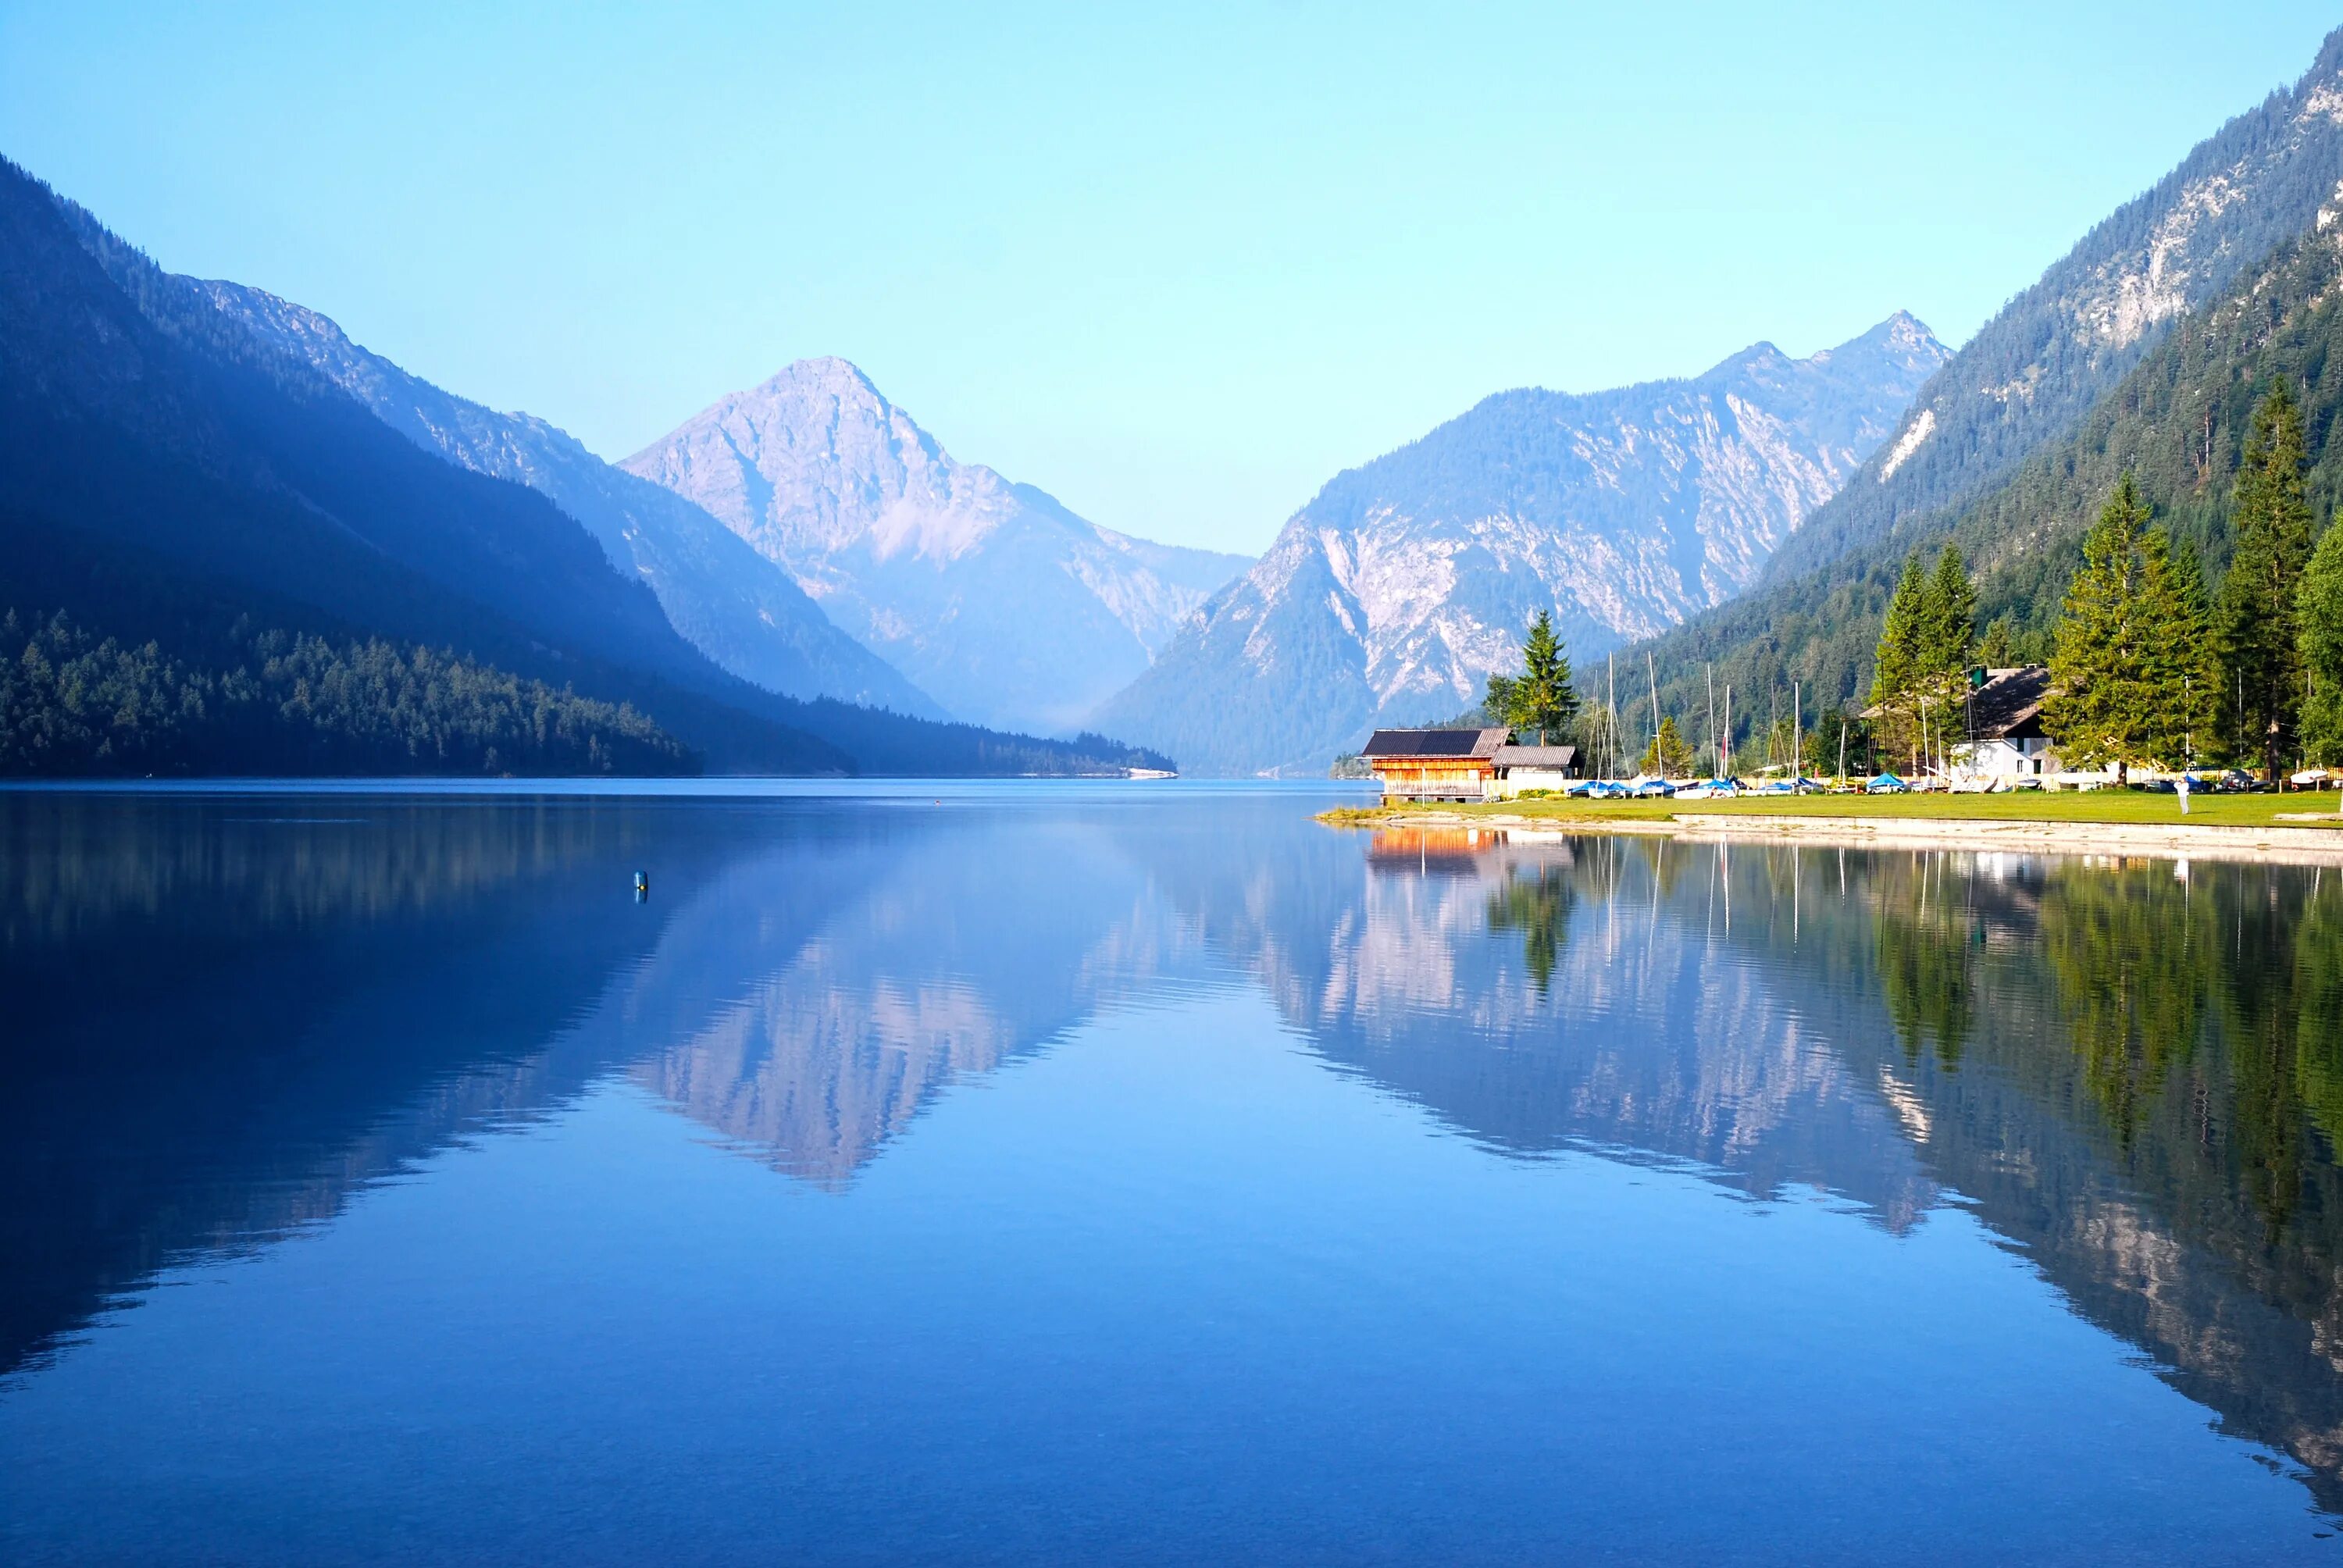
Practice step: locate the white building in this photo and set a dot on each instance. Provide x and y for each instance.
(2003, 720)
(1520, 768)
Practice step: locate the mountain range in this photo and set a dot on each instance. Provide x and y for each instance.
(174, 477)
(749, 616)
(1005, 606)
(2144, 348)
(799, 578)
(1405, 583)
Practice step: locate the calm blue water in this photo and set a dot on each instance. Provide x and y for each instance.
(1057, 1173)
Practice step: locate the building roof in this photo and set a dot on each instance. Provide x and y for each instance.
(1536, 756)
(2008, 700)
(1472, 745)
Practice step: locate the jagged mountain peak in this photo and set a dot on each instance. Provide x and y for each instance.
(1407, 580)
(823, 376)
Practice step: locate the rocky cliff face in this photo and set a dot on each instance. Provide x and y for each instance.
(1396, 592)
(736, 607)
(1007, 607)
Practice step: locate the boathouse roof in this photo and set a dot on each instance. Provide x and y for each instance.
(1558, 757)
(1469, 745)
(2010, 702)
(2006, 704)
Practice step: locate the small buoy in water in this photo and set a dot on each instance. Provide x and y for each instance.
(642, 886)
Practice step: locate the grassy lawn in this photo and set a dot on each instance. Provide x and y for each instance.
(2069, 806)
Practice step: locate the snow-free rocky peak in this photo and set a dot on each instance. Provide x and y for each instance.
(1006, 607)
(1396, 592)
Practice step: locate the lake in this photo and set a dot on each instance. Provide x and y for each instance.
(1146, 1174)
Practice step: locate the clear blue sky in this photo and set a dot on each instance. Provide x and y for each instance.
(1178, 270)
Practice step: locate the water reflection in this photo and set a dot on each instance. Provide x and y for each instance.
(230, 1014)
(882, 973)
(1540, 995)
(2129, 1070)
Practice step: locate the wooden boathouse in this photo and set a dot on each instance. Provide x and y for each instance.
(1434, 764)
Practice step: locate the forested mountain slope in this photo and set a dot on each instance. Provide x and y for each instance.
(2047, 355)
(162, 486)
(285, 706)
(2178, 423)
(2052, 356)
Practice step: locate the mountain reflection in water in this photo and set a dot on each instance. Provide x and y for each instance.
(231, 1013)
(2133, 1070)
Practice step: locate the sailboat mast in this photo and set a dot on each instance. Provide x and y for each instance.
(1711, 671)
(1651, 674)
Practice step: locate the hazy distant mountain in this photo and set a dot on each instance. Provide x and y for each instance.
(733, 605)
(997, 602)
(169, 475)
(1395, 592)
(166, 476)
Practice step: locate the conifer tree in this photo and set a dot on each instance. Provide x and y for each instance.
(2318, 646)
(2129, 667)
(1951, 642)
(1925, 648)
(1901, 658)
(1951, 609)
(2184, 681)
(1541, 697)
(1669, 756)
(2261, 673)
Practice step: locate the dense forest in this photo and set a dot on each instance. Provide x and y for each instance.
(74, 704)
(2178, 423)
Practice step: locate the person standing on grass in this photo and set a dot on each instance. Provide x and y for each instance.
(2182, 786)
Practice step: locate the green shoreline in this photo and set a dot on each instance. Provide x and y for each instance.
(2125, 823)
(2069, 806)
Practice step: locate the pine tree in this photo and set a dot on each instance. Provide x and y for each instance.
(1901, 662)
(2261, 673)
(1669, 756)
(1951, 612)
(1950, 641)
(2318, 646)
(2130, 666)
(2184, 678)
(1925, 648)
(1541, 697)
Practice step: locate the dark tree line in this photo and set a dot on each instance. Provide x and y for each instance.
(271, 702)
